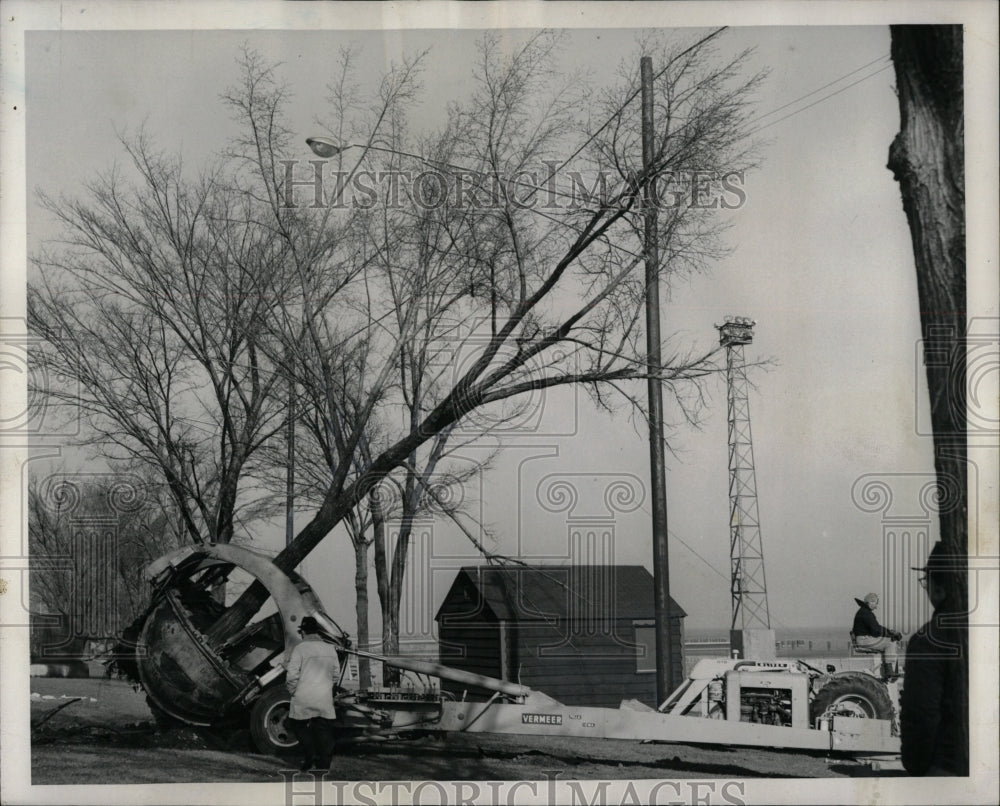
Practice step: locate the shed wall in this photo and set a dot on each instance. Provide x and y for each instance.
(469, 641)
(597, 670)
(596, 665)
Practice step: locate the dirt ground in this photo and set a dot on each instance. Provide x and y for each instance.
(109, 737)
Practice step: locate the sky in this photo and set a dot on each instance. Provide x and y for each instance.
(820, 259)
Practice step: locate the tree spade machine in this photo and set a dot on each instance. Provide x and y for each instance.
(238, 682)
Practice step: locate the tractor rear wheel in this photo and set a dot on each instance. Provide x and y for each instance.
(269, 726)
(857, 695)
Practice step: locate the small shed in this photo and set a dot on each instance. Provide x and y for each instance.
(584, 635)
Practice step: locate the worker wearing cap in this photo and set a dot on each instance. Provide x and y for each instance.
(932, 710)
(312, 670)
(869, 634)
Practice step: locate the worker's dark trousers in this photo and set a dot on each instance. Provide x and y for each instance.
(315, 737)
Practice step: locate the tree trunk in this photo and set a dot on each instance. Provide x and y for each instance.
(394, 578)
(390, 624)
(250, 601)
(361, 608)
(927, 158)
(382, 579)
(335, 508)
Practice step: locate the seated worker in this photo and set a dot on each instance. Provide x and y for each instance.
(869, 634)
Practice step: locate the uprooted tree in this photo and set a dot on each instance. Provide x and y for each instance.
(532, 283)
(505, 259)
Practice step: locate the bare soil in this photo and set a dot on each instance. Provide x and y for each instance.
(109, 737)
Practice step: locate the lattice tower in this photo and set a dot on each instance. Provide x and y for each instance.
(747, 582)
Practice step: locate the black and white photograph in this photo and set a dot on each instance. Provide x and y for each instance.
(498, 403)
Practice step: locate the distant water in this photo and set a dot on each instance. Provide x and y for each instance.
(813, 642)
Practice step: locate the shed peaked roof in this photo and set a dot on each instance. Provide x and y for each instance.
(542, 592)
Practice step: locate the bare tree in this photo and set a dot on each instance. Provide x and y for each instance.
(427, 240)
(539, 294)
(152, 309)
(90, 536)
(327, 357)
(349, 365)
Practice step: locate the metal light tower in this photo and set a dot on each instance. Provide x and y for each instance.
(747, 586)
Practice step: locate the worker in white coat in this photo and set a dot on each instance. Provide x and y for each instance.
(312, 671)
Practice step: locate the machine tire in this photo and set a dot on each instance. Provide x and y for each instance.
(855, 695)
(269, 722)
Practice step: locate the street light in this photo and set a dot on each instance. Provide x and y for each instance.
(325, 147)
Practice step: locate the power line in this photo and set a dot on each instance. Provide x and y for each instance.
(561, 222)
(635, 94)
(819, 89)
(820, 100)
(689, 547)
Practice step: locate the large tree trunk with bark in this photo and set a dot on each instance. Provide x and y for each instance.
(927, 158)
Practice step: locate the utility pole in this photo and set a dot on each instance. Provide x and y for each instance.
(665, 682)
